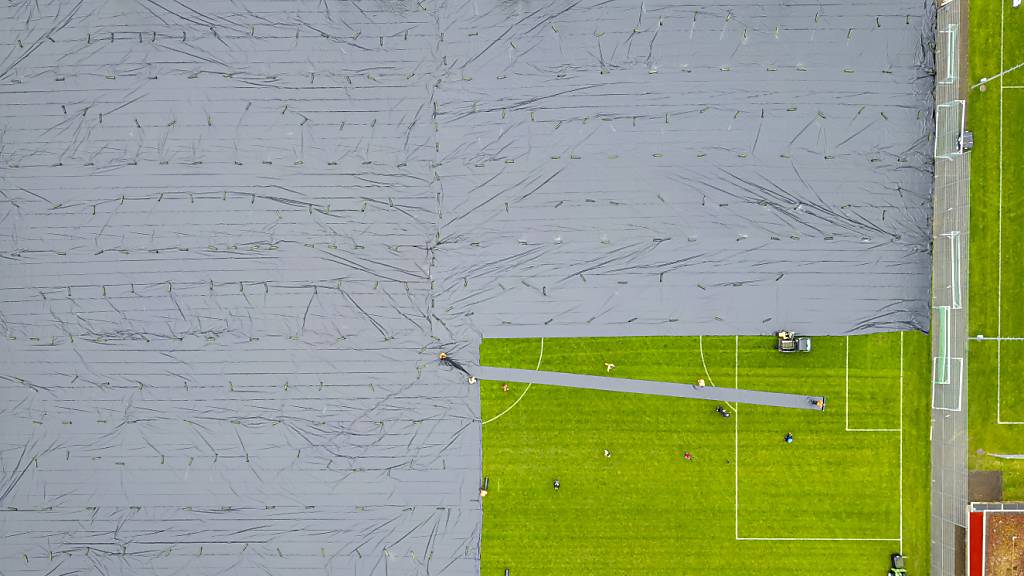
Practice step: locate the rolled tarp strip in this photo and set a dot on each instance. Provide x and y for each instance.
(675, 389)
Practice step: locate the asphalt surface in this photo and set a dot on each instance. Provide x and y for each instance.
(949, 494)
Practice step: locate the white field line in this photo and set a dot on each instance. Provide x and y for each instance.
(998, 289)
(996, 338)
(1001, 74)
(999, 268)
(700, 342)
(797, 539)
(506, 410)
(999, 284)
(848, 429)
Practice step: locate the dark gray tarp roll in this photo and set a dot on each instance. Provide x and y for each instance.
(652, 387)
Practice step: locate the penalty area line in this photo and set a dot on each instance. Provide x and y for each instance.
(823, 539)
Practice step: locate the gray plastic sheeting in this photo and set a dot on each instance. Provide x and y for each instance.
(653, 387)
(234, 236)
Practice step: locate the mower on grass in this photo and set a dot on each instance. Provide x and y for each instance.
(789, 342)
(898, 566)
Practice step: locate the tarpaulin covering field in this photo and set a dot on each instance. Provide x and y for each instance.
(235, 235)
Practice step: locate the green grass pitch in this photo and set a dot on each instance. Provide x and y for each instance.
(748, 503)
(995, 386)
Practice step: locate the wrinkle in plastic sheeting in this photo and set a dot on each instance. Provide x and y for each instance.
(234, 237)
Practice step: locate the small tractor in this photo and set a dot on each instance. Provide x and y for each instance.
(898, 566)
(789, 342)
